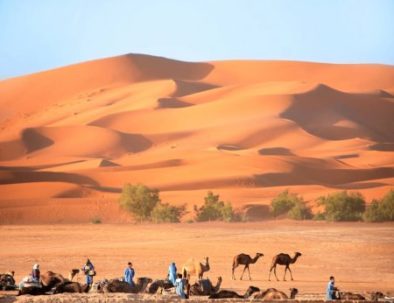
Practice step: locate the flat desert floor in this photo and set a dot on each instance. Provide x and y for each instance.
(359, 255)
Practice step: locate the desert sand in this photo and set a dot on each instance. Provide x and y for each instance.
(359, 255)
(71, 137)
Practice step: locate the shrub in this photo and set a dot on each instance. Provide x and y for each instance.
(163, 212)
(343, 206)
(387, 206)
(300, 212)
(319, 217)
(284, 202)
(139, 199)
(214, 209)
(96, 220)
(383, 210)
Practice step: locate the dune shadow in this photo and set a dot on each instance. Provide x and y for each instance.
(163, 68)
(135, 142)
(275, 151)
(172, 103)
(336, 178)
(184, 88)
(229, 147)
(383, 146)
(346, 156)
(257, 212)
(33, 140)
(40, 176)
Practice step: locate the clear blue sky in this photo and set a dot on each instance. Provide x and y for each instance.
(37, 35)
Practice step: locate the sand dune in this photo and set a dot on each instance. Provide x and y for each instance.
(244, 129)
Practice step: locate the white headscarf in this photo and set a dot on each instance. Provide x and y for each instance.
(36, 266)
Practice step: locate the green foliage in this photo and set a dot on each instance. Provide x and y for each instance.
(284, 202)
(139, 199)
(300, 211)
(319, 217)
(343, 206)
(163, 212)
(215, 210)
(383, 210)
(96, 220)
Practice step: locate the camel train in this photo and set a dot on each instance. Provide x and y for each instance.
(54, 283)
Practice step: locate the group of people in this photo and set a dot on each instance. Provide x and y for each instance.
(173, 276)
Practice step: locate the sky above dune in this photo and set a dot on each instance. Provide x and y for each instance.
(40, 35)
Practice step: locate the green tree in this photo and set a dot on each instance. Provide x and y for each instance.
(164, 212)
(381, 210)
(214, 209)
(343, 206)
(284, 202)
(300, 211)
(139, 199)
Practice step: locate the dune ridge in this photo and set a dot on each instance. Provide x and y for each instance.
(244, 129)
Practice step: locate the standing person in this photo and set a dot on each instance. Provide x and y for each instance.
(129, 274)
(88, 270)
(331, 290)
(172, 273)
(35, 273)
(180, 287)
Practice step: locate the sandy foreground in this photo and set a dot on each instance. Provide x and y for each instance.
(359, 255)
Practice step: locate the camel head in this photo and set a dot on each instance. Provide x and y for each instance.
(298, 254)
(293, 293)
(251, 290)
(207, 267)
(259, 255)
(220, 279)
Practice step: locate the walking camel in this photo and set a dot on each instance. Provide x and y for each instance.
(286, 260)
(244, 259)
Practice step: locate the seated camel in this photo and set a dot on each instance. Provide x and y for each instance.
(204, 287)
(274, 294)
(349, 296)
(159, 284)
(229, 294)
(71, 287)
(116, 285)
(7, 281)
(49, 280)
(97, 286)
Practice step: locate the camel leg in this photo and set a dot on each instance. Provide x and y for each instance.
(269, 276)
(291, 274)
(275, 274)
(233, 272)
(284, 277)
(243, 272)
(249, 273)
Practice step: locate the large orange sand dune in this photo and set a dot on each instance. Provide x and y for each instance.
(71, 137)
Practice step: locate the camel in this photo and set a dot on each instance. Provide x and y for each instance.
(7, 281)
(229, 294)
(193, 267)
(376, 295)
(205, 287)
(73, 273)
(274, 294)
(71, 287)
(159, 284)
(349, 296)
(116, 285)
(283, 259)
(244, 259)
(97, 287)
(49, 280)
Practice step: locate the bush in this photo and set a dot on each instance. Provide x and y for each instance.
(300, 212)
(383, 210)
(163, 212)
(319, 217)
(139, 199)
(342, 206)
(214, 209)
(96, 220)
(284, 202)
